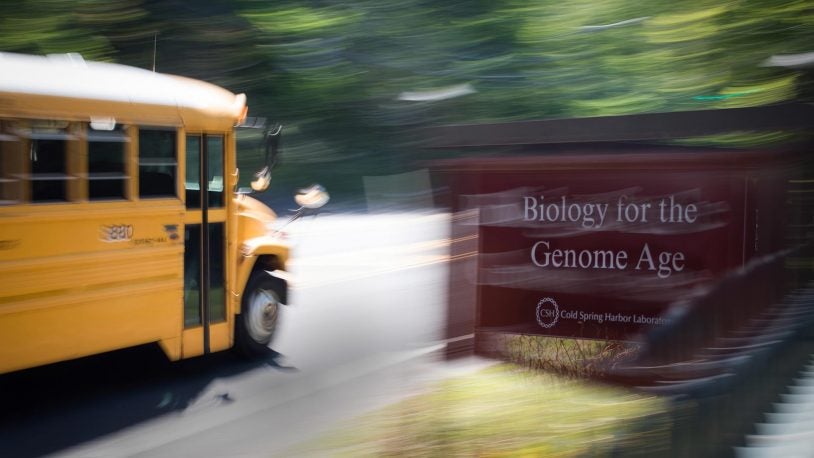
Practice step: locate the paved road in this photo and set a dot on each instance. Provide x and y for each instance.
(367, 309)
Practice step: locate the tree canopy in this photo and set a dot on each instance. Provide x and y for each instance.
(352, 81)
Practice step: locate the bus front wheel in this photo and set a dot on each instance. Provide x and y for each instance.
(259, 314)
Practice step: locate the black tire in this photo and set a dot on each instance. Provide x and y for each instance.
(256, 323)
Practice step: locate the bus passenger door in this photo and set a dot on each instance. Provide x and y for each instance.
(205, 319)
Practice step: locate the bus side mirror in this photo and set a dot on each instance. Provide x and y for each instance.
(261, 180)
(312, 197)
(271, 138)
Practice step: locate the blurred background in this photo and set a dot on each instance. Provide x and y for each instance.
(353, 81)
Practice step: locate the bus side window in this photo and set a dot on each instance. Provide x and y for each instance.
(214, 149)
(192, 183)
(11, 166)
(157, 163)
(106, 163)
(48, 156)
(48, 170)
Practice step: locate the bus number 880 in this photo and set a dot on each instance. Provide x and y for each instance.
(117, 232)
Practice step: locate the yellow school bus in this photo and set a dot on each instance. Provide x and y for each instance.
(120, 222)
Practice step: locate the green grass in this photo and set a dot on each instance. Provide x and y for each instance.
(506, 411)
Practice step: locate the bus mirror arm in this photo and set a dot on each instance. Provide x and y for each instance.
(262, 178)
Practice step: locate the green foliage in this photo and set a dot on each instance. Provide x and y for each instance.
(334, 72)
(49, 26)
(294, 20)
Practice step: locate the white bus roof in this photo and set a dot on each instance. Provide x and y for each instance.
(67, 86)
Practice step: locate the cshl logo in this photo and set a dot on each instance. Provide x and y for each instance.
(548, 312)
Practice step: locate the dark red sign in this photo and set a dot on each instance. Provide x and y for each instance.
(596, 246)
